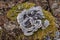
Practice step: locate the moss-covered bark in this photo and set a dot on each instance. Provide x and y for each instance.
(12, 14)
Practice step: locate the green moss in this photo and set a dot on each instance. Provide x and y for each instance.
(12, 13)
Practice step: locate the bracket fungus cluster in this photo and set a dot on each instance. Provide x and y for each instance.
(31, 20)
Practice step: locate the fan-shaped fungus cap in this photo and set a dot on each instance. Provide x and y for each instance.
(31, 20)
